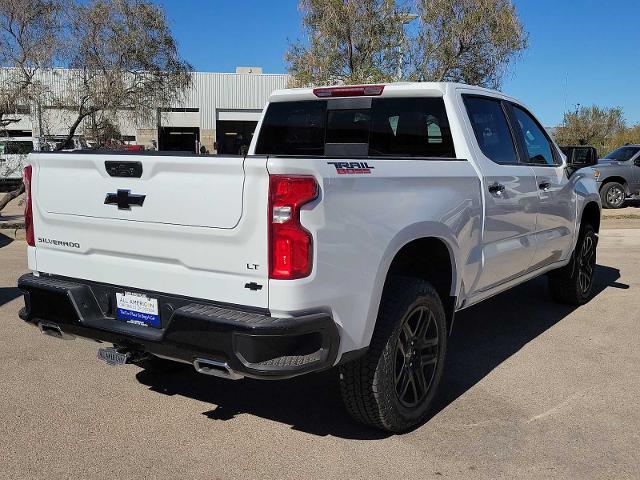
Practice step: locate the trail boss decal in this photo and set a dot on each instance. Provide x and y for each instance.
(352, 168)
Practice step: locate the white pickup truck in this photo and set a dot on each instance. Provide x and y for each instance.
(360, 221)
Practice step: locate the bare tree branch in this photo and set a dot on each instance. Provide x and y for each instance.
(4, 201)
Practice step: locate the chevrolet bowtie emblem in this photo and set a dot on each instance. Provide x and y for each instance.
(124, 199)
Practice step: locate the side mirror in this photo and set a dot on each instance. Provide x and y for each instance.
(580, 157)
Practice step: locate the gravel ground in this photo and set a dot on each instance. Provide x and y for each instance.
(532, 390)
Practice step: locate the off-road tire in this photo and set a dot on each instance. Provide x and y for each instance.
(613, 195)
(368, 384)
(566, 284)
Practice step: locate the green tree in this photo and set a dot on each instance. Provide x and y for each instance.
(628, 135)
(469, 41)
(595, 126)
(348, 41)
(364, 41)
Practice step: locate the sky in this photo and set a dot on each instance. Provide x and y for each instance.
(580, 51)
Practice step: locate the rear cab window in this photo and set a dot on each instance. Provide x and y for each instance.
(386, 127)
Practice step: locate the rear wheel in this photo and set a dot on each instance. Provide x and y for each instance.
(613, 195)
(573, 284)
(393, 385)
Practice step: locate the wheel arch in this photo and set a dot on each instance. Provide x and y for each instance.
(435, 243)
(591, 214)
(618, 179)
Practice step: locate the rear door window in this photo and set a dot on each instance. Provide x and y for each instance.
(393, 127)
(491, 129)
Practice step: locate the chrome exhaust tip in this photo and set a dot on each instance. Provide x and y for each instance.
(54, 330)
(216, 368)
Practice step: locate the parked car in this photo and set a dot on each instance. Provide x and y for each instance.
(14, 151)
(618, 176)
(581, 155)
(13, 157)
(390, 208)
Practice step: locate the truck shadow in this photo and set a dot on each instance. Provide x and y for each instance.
(484, 336)
(5, 240)
(8, 294)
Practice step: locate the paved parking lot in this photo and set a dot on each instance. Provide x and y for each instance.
(532, 390)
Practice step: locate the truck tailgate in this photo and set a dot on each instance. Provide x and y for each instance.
(186, 226)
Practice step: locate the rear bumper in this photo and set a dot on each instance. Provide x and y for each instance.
(250, 342)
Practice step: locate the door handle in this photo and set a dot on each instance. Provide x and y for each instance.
(496, 189)
(544, 186)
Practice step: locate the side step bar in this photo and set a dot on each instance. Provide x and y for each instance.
(216, 368)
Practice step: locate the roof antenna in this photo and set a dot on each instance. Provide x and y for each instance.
(566, 85)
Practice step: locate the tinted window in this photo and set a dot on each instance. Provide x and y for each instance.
(410, 127)
(536, 142)
(491, 129)
(623, 154)
(393, 127)
(348, 126)
(293, 128)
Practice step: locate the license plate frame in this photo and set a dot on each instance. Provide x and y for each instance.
(138, 308)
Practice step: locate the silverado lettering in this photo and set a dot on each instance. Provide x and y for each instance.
(58, 243)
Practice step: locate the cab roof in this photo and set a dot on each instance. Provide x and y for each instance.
(398, 89)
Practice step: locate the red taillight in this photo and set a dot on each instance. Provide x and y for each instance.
(290, 245)
(28, 207)
(349, 91)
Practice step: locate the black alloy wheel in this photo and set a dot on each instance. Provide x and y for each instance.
(416, 356)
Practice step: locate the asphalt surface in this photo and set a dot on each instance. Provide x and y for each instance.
(532, 390)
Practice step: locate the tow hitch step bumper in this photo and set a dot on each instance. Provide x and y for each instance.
(225, 341)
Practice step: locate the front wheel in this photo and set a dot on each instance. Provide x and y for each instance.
(613, 195)
(573, 283)
(393, 385)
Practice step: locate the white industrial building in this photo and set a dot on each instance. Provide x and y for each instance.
(220, 112)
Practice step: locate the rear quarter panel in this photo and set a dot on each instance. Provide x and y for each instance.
(360, 221)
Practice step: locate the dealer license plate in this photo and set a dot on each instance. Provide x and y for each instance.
(138, 308)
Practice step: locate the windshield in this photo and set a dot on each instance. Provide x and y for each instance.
(622, 154)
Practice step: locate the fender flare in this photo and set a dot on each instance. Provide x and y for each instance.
(405, 236)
